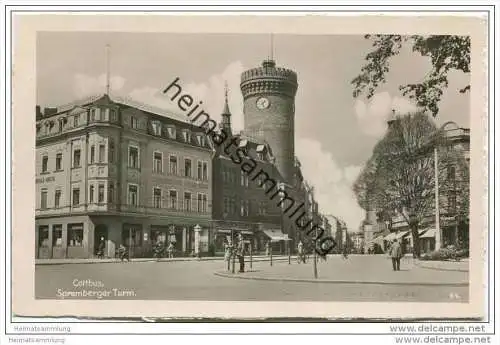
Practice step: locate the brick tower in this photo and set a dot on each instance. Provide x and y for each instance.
(269, 109)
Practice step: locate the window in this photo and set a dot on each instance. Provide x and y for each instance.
(101, 193)
(187, 201)
(132, 195)
(43, 199)
(57, 198)
(452, 203)
(75, 121)
(451, 173)
(262, 208)
(58, 161)
(260, 156)
(156, 197)
(157, 162)
(91, 194)
(76, 196)
(102, 153)
(133, 122)
(205, 202)
(57, 235)
(111, 152)
(111, 192)
(232, 205)
(76, 158)
(92, 154)
(244, 208)
(172, 132)
(92, 115)
(187, 136)
(173, 165)
(244, 179)
(200, 171)
(45, 164)
(187, 167)
(43, 236)
(75, 235)
(173, 199)
(201, 140)
(199, 203)
(156, 127)
(133, 157)
(205, 171)
(112, 115)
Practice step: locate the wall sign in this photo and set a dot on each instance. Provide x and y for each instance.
(45, 179)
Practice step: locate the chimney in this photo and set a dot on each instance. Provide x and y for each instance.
(49, 111)
(39, 114)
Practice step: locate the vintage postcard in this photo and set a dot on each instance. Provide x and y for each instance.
(249, 166)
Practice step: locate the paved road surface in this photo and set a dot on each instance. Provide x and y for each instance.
(196, 281)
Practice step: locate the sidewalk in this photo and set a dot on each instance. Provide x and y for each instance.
(257, 258)
(457, 266)
(355, 270)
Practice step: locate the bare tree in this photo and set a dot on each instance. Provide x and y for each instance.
(399, 178)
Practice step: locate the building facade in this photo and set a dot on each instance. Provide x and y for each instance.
(245, 203)
(112, 171)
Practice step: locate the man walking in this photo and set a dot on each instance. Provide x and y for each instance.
(241, 253)
(396, 253)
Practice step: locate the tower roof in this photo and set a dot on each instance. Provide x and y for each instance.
(226, 110)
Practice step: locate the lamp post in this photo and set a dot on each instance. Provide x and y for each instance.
(436, 199)
(233, 257)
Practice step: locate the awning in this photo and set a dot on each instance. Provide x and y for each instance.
(379, 240)
(401, 234)
(430, 233)
(420, 232)
(276, 235)
(390, 237)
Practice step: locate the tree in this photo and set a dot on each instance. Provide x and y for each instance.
(399, 178)
(445, 51)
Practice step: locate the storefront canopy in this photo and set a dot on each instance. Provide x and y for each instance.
(390, 237)
(378, 240)
(429, 233)
(276, 235)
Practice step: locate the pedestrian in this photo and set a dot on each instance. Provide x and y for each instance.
(241, 253)
(100, 249)
(300, 250)
(170, 250)
(396, 254)
(345, 252)
(267, 248)
(227, 254)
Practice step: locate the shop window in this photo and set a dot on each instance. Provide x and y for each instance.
(43, 236)
(57, 235)
(43, 199)
(132, 235)
(59, 162)
(75, 235)
(45, 164)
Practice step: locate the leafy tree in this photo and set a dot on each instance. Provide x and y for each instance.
(398, 180)
(445, 51)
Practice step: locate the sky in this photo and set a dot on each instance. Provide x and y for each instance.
(334, 133)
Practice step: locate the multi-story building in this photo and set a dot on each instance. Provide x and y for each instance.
(113, 170)
(245, 203)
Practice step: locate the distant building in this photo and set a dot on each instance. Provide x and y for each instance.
(119, 171)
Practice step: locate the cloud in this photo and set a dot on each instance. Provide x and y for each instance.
(210, 92)
(85, 85)
(372, 117)
(332, 183)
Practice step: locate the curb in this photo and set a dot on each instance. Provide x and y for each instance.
(115, 261)
(419, 264)
(329, 281)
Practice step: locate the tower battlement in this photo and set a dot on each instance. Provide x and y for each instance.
(268, 79)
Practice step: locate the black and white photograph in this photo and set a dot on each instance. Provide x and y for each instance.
(249, 167)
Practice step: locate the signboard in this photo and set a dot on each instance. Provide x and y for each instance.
(45, 179)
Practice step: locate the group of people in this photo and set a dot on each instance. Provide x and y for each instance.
(239, 250)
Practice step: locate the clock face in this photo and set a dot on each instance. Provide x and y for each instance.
(262, 103)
